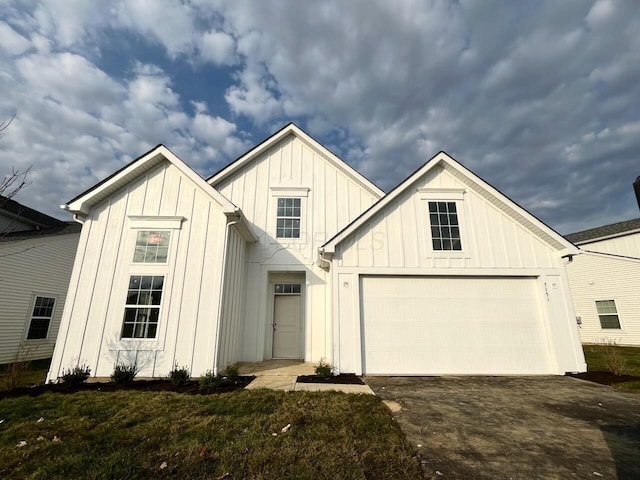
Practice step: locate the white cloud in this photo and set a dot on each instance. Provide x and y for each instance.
(217, 47)
(11, 41)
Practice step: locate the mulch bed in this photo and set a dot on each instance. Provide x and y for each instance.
(343, 379)
(604, 378)
(191, 388)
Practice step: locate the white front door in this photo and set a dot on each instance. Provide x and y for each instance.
(287, 313)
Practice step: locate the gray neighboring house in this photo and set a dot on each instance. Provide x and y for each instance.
(605, 283)
(36, 258)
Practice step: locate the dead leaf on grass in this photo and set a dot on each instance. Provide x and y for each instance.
(21, 444)
(163, 465)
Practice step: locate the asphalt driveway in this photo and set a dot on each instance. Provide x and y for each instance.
(516, 428)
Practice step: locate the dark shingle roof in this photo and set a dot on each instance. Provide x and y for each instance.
(604, 231)
(65, 229)
(28, 215)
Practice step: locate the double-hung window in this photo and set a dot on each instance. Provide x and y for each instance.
(288, 218)
(445, 226)
(142, 308)
(608, 314)
(41, 318)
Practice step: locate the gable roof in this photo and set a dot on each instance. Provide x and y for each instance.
(65, 228)
(284, 132)
(82, 204)
(454, 167)
(24, 214)
(606, 231)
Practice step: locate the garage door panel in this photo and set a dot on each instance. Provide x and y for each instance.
(444, 325)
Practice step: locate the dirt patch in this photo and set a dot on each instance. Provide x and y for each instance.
(343, 379)
(191, 388)
(604, 378)
(516, 427)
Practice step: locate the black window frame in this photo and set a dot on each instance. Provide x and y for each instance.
(444, 222)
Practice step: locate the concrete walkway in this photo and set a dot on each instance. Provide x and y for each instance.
(282, 375)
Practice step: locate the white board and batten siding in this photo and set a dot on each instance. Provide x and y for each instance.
(594, 277)
(39, 266)
(508, 283)
(187, 329)
(331, 197)
(231, 329)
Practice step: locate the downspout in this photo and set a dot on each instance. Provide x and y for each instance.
(223, 292)
(322, 261)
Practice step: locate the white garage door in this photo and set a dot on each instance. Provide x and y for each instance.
(452, 325)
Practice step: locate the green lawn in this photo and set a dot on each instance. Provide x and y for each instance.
(130, 434)
(596, 361)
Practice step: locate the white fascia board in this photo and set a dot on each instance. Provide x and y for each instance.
(291, 129)
(442, 157)
(608, 237)
(82, 204)
(242, 225)
(330, 246)
(612, 256)
(570, 248)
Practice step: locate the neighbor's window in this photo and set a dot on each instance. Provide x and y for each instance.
(445, 228)
(608, 314)
(142, 309)
(152, 247)
(288, 221)
(41, 318)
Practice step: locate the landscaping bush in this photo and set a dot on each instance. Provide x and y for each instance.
(123, 373)
(16, 370)
(76, 376)
(231, 373)
(209, 382)
(179, 375)
(324, 369)
(613, 359)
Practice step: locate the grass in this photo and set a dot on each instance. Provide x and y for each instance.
(129, 434)
(35, 374)
(596, 361)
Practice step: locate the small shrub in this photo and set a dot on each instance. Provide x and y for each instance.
(16, 370)
(179, 375)
(612, 358)
(209, 382)
(231, 373)
(324, 369)
(123, 373)
(76, 376)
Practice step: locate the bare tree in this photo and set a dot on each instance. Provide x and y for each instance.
(13, 182)
(5, 125)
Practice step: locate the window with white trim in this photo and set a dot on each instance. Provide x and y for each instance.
(288, 218)
(152, 246)
(445, 227)
(41, 318)
(608, 314)
(142, 308)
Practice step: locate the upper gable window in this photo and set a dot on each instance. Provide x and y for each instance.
(445, 227)
(288, 218)
(152, 246)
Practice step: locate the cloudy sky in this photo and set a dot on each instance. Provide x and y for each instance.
(541, 99)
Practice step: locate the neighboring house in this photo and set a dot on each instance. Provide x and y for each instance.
(605, 283)
(290, 253)
(36, 258)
